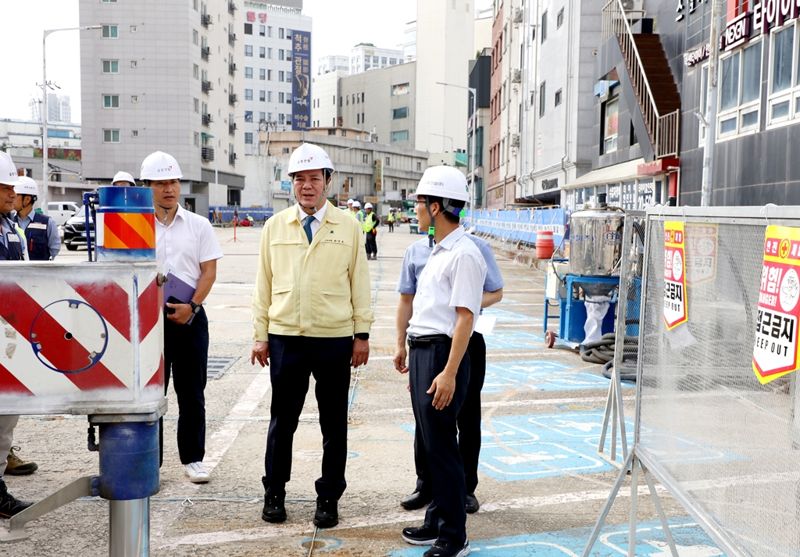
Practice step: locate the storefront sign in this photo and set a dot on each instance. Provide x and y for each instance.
(765, 15)
(697, 55)
(689, 5)
(676, 309)
(775, 352)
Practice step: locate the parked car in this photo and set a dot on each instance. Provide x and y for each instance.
(75, 230)
(61, 211)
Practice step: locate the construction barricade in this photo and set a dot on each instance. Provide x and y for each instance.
(716, 407)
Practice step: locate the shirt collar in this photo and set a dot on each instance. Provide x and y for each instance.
(319, 215)
(449, 241)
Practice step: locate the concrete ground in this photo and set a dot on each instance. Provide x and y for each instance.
(542, 483)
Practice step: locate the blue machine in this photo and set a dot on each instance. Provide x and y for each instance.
(572, 309)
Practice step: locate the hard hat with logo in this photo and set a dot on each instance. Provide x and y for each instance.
(160, 166)
(309, 157)
(8, 172)
(367, 205)
(26, 186)
(123, 176)
(443, 181)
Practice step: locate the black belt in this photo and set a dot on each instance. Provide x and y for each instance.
(427, 340)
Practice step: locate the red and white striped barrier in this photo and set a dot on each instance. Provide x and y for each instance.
(80, 339)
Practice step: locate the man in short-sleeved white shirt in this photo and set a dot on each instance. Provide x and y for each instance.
(187, 251)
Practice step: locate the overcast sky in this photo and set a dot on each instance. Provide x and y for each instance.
(337, 26)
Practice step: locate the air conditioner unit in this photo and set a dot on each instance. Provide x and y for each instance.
(515, 140)
(517, 18)
(516, 76)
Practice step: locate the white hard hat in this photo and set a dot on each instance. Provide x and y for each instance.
(26, 186)
(349, 201)
(160, 166)
(8, 172)
(309, 157)
(123, 176)
(443, 181)
(356, 204)
(368, 205)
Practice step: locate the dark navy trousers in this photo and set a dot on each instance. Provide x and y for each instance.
(293, 359)
(439, 432)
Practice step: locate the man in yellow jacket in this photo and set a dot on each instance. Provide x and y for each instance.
(311, 315)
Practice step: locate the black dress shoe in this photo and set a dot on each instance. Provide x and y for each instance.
(274, 509)
(442, 549)
(471, 504)
(327, 514)
(416, 500)
(420, 535)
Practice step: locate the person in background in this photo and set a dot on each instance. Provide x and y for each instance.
(311, 316)
(41, 232)
(390, 220)
(443, 314)
(358, 214)
(187, 252)
(370, 227)
(12, 248)
(122, 178)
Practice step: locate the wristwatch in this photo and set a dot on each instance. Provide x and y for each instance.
(362, 336)
(195, 307)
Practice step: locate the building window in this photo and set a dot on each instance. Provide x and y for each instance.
(781, 106)
(248, 115)
(111, 135)
(196, 105)
(269, 31)
(400, 89)
(110, 101)
(269, 75)
(248, 50)
(195, 37)
(740, 91)
(398, 113)
(134, 99)
(269, 53)
(134, 133)
(196, 71)
(419, 166)
(262, 95)
(248, 94)
(248, 138)
(110, 66)
(543, 31)
(542, 98)
(280, 75)
(399, 135)
(559, 18)
(262, 74)
(110, 31)
(387, 161)
(558, 97)
(610, 125)
(262, 30)
(281, 32)
(280, 54)
(365, 158)
(262, 116)
(262, 52)
(248, 28)
(134, 63)
(109, 1)
(280, 96)
(248, 72)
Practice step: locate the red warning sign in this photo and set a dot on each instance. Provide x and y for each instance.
(676, 307)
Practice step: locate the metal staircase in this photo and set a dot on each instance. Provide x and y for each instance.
(650, 77)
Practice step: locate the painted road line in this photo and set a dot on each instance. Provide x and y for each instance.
(392, 518)
(218, 444)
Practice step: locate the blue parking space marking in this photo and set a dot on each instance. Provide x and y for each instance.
(530, 447)
(513, 340)
(540, 376)
(689, 538)
(505, 316)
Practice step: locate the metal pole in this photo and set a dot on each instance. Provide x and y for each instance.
(129, 528)
(473, 195)
(45, 173)
(711, 106)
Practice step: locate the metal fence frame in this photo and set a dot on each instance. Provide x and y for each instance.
(639, 458)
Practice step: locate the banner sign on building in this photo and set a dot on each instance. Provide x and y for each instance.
(676, 310)
(763, 16)
(775, 352)
(301, 80)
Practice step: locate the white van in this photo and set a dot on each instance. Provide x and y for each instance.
(60, 211)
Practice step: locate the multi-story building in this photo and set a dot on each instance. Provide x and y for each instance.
(166, 79)
(267, 56)
(444, 46)
(333, 63)
(325, 99)
(556, 85)
(365, 170)
(480, 80)
(366, 56)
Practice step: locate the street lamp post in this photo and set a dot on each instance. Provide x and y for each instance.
(45, 162)
(474, 122)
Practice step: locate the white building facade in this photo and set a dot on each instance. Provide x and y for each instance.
(366, 56)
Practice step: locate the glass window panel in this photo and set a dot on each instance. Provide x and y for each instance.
(780, 110)
(751, 73)
(750, 119)
(782, 50)
(729, 84)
